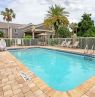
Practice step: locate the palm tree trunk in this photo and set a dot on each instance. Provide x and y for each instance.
(56, 34)
(8, 30)
(76, 30)
(56, 30)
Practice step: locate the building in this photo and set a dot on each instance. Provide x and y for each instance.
(21, 30)
(14, 30)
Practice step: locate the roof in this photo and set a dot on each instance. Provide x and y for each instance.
(39, 27)
(12, 25)
(25, 27)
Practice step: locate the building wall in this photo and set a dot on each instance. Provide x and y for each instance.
(14, 29)
(16, 33)
(18, 30)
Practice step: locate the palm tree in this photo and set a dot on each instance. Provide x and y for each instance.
(74, 27)
(8, 15)
(56, 17)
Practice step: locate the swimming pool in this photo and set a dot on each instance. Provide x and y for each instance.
(60, 70)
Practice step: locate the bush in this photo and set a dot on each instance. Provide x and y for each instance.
(27, 37)
(1, 34)
(53, 42)
(89, 33)
(27, 40)
(63, 32)
(8, 42)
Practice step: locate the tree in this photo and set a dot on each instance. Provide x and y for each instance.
(74, 27)
(64, 32)
(90, 33)
(86, 24)
(8, 15)
(56, 17)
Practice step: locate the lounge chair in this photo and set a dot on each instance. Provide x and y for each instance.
(68, 44)
(75, 45)
(63, 43)
(2, 45)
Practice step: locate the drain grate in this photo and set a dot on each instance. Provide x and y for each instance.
(24, 76)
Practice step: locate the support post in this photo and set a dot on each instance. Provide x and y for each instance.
(33, 36)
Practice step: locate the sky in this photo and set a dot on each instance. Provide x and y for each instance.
(34, 11)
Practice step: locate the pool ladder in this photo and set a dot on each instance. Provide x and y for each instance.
(89, 53)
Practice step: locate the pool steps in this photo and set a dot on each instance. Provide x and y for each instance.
(87, 55)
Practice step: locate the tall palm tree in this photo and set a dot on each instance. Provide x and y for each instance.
(56, 17)
(8, 15)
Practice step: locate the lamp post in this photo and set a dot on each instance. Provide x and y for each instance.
(33, 30)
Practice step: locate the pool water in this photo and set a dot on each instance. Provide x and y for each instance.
(60, 70)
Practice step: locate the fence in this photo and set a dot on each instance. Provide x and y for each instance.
(83, 41)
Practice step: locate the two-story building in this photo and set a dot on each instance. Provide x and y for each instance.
(12, 30)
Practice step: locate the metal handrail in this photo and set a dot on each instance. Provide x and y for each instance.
(92, 49)
(86, 49)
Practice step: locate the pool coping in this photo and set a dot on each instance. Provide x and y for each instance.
(77, 92)
(60, 50)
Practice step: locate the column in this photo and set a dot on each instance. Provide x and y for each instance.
(33, 35)
(33, 32)
(10, 32)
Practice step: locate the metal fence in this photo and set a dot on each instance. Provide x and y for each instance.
(83, 41)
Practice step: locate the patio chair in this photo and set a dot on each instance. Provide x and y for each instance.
(75, 45)
(2, 45)
(68, 44)
(63, 43)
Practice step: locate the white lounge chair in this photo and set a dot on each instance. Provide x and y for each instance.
(63, 43)
(75, 44)
(68, 44)
(2, 45)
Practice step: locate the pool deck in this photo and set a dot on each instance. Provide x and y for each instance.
(13, 85)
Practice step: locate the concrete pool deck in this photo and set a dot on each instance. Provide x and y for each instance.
(13, 85)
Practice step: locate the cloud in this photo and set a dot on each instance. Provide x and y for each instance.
(34, 11)
(78, 7)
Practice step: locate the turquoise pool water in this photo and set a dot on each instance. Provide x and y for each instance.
(60, 70)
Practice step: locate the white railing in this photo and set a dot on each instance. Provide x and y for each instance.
(83, 41)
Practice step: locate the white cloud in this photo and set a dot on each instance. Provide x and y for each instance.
(34, 11)
(78, 7)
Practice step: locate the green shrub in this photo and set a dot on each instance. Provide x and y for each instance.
(8, 42)
(1, 34)
(64, 32)
(27, 40)
(53, 42)
(27, 37)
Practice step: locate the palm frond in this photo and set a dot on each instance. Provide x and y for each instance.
(8, 14)
(56, 16)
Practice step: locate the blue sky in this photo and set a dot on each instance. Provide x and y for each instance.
(34, 11)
